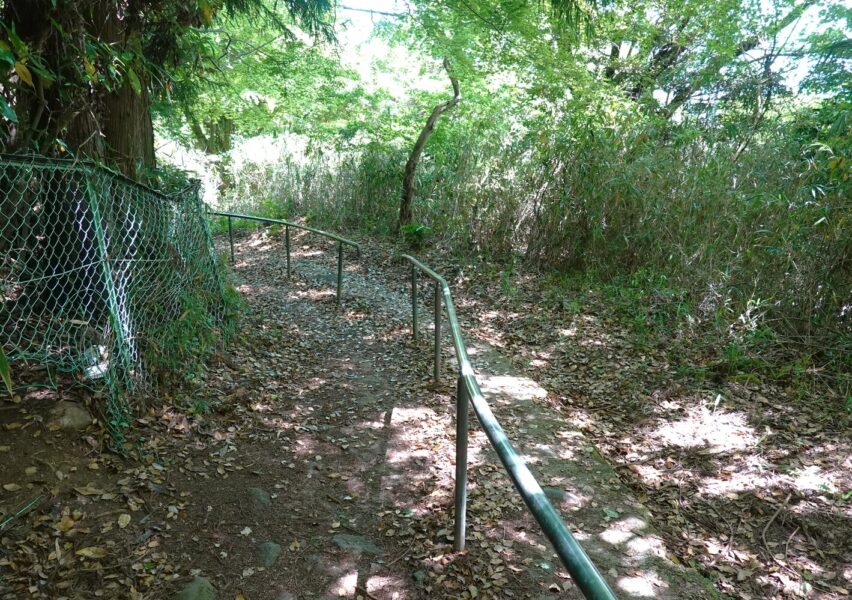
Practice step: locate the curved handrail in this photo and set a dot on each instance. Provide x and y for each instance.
(332, 236)
(341, 241)
(572, 555)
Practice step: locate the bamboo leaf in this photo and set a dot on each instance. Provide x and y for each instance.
(6, 54)
(17, 43)
(133, 79)
(5, 372)
(24, 73)
(7, 111)
(206, 12)
(46, 76)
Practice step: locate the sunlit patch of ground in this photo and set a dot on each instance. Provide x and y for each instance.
(718, 431)
(750, 482)
(521, 388)
(314, 294)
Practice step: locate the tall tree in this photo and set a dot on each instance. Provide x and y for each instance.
(405, 212)
(82, 74)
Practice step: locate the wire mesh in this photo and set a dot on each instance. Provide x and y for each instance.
(96, 272)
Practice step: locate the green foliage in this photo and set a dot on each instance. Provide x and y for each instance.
(415, 235)
(340, 192)
(5, 372)
(510, 290)
(178, 351)
(64, 58)
(831, 48)
(243, 92)
(661, 157)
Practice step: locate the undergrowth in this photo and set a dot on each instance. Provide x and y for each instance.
(178, 351)
(700, 347)
(748, 252)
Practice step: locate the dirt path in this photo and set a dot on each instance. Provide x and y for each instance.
(317, 462)
(364, 498)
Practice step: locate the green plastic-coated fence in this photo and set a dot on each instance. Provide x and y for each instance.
(97, 274)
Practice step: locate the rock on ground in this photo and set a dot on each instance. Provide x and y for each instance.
(199, 588)
(355, 543)
(260, 498)
(269, 552)
(70, 415)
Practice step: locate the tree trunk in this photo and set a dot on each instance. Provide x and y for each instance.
(114, 125)
(405, 211)
(50, 216)
(128, 130)
(126, 112)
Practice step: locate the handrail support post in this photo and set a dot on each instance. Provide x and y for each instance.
(231, 238)
(414, 302)
(461, 465)
(437, 332)
(339, 271)
(287, 246)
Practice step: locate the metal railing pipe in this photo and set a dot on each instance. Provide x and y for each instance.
(414, 302)
(339, 270)
(341, 241)
(437, 374)
(572, 555)
(331, 236)
(461, 466)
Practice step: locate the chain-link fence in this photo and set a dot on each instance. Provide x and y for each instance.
(103, 281)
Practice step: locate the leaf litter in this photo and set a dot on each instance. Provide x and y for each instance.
(750, 481)
(330, 412)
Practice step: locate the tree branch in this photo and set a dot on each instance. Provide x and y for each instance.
(712, 69)
(374, 12)
(405, 212)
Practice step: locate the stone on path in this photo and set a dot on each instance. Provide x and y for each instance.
(554, 494)
(355, 543)
(260, 498)
(269, 552)
(70, 415)
(199, 588)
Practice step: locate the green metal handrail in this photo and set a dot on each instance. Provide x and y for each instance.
(341, 241)
(572, 555)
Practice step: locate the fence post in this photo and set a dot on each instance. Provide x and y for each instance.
(461, 465)
(287, 245)
(339, 270)
(231, 239)
(437, 332)
(118, 414)
(414, 302)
